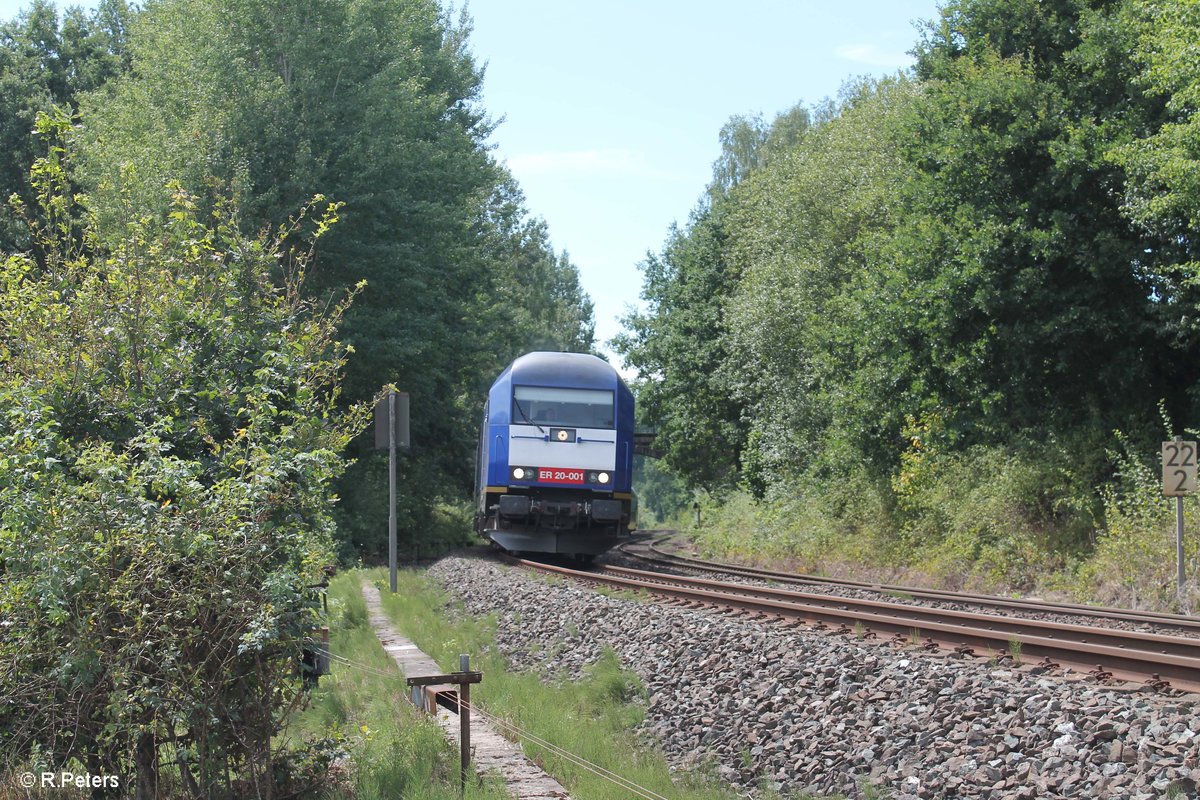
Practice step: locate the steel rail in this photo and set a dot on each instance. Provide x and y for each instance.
(1081, 648)
(1158, 619)
(925, 615)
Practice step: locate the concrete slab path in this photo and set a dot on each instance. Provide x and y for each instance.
(491, 752)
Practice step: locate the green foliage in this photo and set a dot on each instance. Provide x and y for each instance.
(1000, 244)
(680, 344)
(661, 495)
(819, 528)
(994, 518)
(170, 436)
(1025, 275)
(742, 142)
(1165, 190)
(374, 104)
(804, 235)
(532, 297)
(46, 61)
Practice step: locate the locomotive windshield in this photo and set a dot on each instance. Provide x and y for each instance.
(571, 408)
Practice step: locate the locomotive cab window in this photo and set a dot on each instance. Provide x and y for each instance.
(570, 408)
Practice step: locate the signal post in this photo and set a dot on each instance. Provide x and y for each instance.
(392, 431)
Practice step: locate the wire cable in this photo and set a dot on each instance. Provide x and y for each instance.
(520, 733)
(573, 758)
(364, 667)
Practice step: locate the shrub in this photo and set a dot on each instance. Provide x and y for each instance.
(167, 444)
(1134, 562)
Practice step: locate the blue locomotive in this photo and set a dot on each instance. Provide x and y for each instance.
(555, 458)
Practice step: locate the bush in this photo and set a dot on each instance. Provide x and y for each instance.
(991, 517)
(996, 518)
(810, 525)
(169, 437)
(1134, 562)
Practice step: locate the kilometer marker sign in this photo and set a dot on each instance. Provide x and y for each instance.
(1178, 468)
(1179, 478)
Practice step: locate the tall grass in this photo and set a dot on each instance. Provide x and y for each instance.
(392, 750)
(1134, 562)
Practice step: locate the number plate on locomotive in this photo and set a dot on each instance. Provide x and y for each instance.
(551, 475)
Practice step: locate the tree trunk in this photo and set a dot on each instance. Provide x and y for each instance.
(146, 764)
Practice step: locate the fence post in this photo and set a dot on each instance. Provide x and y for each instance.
(464, 723)
(463, 680)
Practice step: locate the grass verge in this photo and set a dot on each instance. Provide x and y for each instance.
(362, 709)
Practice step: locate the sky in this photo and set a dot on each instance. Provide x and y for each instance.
(609, 113)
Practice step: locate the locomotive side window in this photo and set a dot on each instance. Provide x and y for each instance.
(572, 408)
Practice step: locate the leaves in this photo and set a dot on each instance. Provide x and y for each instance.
(171, 436)
(1002, 240)
(374, 105)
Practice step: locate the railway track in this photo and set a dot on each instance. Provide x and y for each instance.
(1154, 660)
(1146, 620)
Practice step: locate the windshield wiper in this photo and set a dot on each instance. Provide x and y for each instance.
(525, 416)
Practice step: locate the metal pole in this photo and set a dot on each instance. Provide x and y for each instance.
(392, 486)
(464, 723)
(1179, 543)
(1179, 551)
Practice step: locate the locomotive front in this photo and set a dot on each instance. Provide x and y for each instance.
(556, 456)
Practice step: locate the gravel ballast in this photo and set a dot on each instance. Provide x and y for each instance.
(765, 704)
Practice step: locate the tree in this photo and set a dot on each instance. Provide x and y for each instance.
(1163, 193)
(170, 438)
(742, 140)
(679, 350)
(374, 104)
(802, 237)
(1169, 164)
(1036, 289)
(681, 345)
(953, 246)
(46, 62)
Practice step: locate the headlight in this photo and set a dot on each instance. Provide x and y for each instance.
(602, 477)
(519, 473)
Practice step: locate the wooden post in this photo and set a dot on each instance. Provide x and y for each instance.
(463, 679)
(464, 723)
